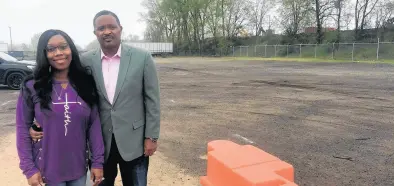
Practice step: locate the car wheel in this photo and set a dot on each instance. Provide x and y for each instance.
(15, 80)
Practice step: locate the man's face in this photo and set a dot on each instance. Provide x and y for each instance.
(108, 31)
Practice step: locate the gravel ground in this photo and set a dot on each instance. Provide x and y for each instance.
(332, 121)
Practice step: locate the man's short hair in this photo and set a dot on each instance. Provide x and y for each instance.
(105, 12)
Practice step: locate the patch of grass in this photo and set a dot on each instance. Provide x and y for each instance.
(279, 59)
(306, 60)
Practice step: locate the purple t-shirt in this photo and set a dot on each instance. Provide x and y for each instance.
(69, 129)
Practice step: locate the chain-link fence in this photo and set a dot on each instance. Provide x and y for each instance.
(334, 51)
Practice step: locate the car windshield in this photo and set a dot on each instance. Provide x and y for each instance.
(7, 57)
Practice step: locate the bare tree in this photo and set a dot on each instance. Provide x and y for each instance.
(322, 9)
(339, 6)
(295, 14)
(194, 25)
(235, 17)
(257, 15)
(214, 19)
(383, 12)
(362, 10)
(130, 37)
(347, 19)
(154, 19)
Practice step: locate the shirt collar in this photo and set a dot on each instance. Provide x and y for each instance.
(118, 53)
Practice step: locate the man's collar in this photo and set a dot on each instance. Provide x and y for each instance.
(117, 53)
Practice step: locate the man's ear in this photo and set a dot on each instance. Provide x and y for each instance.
(121, 28)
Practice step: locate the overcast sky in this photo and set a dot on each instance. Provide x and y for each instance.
(27, 17)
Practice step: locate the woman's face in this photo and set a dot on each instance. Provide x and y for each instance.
(59, 53)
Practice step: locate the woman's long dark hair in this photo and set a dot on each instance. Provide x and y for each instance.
(79, 77)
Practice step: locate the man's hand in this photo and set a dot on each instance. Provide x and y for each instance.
(149, 147)
(36, 136)
(96, 175)
(36, 180)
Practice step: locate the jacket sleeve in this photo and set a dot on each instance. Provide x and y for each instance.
(24, 120)
(151, 92)
(96, 142)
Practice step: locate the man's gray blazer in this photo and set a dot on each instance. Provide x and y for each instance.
(135, 112)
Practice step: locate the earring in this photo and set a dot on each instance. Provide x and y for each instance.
(50, 69)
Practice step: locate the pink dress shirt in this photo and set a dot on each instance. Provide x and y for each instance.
(110, 67)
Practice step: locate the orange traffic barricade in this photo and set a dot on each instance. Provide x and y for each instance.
(230, 164)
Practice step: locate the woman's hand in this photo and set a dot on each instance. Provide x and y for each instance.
(36, 136)
(96, 176)
(36, 180)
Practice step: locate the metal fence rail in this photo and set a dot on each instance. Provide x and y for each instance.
(334, 51)
(348, 51)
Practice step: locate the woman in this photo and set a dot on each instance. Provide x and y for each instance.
(61, 96)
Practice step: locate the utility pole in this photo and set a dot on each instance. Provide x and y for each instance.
(10, 36)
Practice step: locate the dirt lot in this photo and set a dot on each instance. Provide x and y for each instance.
(332, 121)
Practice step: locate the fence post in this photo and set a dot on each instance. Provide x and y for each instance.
(265, 53)
(287, 51)
(275, 50)
(353, 53)
(247, 51)
(300, 50)
(233, 52)
(377, 51)
(316, 50)
(255, 51)
(333, 49)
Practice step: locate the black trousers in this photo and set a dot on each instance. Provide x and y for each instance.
(133, 173)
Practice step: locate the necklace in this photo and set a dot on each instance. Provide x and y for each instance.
(59, 96)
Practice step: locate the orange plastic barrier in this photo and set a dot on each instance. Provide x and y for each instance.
(230, 164)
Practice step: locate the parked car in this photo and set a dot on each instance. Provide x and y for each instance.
(14, 71)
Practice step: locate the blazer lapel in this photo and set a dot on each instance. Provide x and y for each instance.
(99, 72)
(123, 68)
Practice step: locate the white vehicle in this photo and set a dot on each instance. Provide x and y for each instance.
(162, 49)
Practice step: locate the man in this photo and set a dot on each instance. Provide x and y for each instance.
(128, 88)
